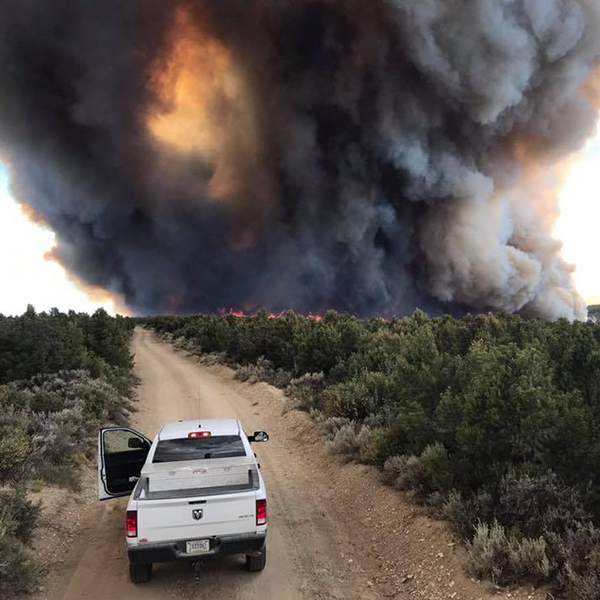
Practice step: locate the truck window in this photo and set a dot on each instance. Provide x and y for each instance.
(121, 440)
(219, 446)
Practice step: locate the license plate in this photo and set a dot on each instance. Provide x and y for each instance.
(197, 546)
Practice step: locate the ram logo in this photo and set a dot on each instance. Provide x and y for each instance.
(197, 513)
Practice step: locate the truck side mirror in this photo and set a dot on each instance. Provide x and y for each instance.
(259, 436)
(136, 442)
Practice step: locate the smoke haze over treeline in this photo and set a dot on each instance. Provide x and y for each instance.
(364, 155)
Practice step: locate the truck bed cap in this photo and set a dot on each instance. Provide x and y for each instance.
(173, 431)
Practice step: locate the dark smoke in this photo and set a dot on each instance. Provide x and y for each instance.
(374, 157)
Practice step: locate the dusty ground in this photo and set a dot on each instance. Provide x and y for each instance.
(334, 531)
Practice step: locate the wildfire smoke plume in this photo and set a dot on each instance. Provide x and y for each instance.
(364, 155)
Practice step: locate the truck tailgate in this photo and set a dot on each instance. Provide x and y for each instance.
(194, 518)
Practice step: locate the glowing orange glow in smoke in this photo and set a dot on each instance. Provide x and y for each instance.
(592, 89)
(94, 293)
(204, 109)
(541, 180)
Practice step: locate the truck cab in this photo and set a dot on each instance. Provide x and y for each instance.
(195, 491)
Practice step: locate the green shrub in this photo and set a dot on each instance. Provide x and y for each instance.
(20, 572)
(263, 370)
(331, 425)
(412, 476)
(407, 473)
(319, 348)
(350, 399)
(214, 358)
(46, 402)
(528, 559)
(18, 515)
(501, 559)
(536, 505)
(424, 475)
(351, 441)
(66, 475)
(436, 466)
(392, 467)
(306, 391)
(358, 398)
(465, 512)
(15, 443)
(97, 398)
(575, 557)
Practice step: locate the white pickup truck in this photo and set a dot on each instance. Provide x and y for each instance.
(196, 491)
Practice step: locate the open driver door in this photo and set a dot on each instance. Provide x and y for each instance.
(122, 453)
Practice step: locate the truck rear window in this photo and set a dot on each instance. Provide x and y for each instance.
(219, 446)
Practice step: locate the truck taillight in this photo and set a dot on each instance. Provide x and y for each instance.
(199, 434)
(131, 523)
(261, 512)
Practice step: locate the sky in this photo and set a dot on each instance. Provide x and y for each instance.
(27, 277)
(578, 226)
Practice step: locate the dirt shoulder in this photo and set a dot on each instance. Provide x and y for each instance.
(61, 523)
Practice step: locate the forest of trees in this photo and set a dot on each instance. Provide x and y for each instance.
(61, 377)
(492, 421)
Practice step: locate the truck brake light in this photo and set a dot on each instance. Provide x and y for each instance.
(199, 434)
(261, 512)
(131, 523)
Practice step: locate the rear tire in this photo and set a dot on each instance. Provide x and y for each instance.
(140, 573)
(254, 564)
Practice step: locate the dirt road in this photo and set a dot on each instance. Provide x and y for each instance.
(314, 547)
(335, 533)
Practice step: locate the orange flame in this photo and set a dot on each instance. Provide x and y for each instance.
(224, 312)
